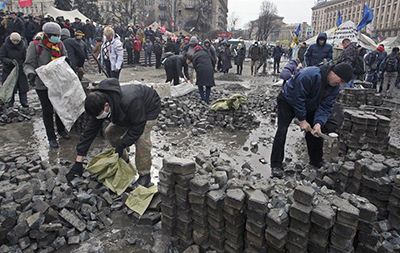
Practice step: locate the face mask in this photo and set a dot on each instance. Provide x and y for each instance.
(104, 115)
(54, 39)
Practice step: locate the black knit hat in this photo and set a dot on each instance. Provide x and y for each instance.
(344, 71)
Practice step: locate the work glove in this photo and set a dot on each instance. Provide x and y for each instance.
(77, 169)
(119, 150)
(32, 78)
(14, 62)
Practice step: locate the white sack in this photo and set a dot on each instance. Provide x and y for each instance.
(182, 89)
(66, 93)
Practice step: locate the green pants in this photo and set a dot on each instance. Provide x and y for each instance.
(114, 135)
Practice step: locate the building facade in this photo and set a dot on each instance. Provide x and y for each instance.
(386, 21)
(38, 6)
(176, 14)
(287, 32)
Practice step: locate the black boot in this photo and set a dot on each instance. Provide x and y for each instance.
(65, 135)
(143, 181)
(53, 143)
(276, 172)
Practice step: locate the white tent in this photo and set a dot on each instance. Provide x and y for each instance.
(71, 15)
(391, 42)
(346, 30)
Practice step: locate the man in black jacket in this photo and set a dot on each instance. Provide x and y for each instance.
(30, 29)
(133, 111)
(15, 24)
(89, 30)
(158, 48)
(173, 68)
(75, 53)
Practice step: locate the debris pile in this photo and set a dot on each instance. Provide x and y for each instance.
(14, 114)
(364, 130)
(218, 208)
(40, 212)
(190, 110)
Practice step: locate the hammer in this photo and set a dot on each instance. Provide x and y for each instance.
(331, 138)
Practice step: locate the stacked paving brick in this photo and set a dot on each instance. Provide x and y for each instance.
(256, 212)
(300, 219)
(174, 187)
(215, 218)
(199, 187)
(235, 221)
(358, 97)
(363, 130)
(394, 204)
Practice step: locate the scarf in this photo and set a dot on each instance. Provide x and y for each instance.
(55, 49)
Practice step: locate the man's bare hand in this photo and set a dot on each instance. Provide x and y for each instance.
(304, 126)
(316, 130)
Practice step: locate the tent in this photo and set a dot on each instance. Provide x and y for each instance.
(391, 42)
(346, 30)
(71, 15)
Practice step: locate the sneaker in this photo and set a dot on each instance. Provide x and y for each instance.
(65, 135)
(53, 144)
(277, 172)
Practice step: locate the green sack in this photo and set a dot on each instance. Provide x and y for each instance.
(8, 87)
(140, 198)
(225, 104)
(112, 171)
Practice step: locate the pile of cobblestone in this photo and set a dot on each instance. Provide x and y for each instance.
(14, 114)
(357, 97)
(209, 204)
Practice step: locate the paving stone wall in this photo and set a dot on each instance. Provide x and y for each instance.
(219, 209)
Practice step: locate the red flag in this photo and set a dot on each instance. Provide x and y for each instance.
(163, 29)
(172, 24)
(25, 3)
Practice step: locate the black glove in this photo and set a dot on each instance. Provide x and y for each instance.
(77, 169)
(32, 78)
(119, 150)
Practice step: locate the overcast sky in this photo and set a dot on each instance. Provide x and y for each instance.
(294, 11)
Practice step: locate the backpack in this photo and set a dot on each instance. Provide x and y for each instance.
(371, 59)
(359, 68)
(391, 64)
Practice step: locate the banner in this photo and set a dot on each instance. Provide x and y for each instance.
(25, 3)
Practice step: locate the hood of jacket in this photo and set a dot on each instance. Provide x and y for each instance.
(10, 45)
(112, 89)
(322, 36)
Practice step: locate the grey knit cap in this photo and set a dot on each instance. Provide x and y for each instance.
(65, 32)
(193, 41)
(52, 28)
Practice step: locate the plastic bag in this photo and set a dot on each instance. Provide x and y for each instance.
(8, 87)
(112, 171)
(182, 89)
(66, 93)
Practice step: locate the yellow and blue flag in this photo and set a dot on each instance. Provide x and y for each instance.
(368, 16)
(338, 21)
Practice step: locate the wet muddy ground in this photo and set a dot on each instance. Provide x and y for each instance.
(29, 137)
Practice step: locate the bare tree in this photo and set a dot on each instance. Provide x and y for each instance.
(249, 28)
(123, 11)
(267, 19)
(233, 20)
(172, 10)
(204, 13)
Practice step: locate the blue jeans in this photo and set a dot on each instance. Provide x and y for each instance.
(205, 95)
(89, 43)
(147, 57)
(372, 77)
(111, 74)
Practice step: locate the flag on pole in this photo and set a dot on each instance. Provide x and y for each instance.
(298, 30)
(191, 30)
(172, 24)
(338, 21)
(3, 4)
(368, 16)
(25, 3)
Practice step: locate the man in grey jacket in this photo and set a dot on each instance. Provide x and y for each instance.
(41, 52)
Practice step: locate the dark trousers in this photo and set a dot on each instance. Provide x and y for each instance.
(147, 58)
(277, 61)
(219, 65)
(172, 74)
(239, 69)
(136, 57)
(130, 55)
(285, 117)
(48, 114)
(158, 61)
(205, 95)
(111, 74)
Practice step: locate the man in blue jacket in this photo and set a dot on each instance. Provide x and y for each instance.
(318, 52)
(309, 96)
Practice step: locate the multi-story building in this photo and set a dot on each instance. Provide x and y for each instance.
(287, 32)
(177, 14)
(386, 21)
(38, 6)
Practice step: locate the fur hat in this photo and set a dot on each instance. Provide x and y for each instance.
(52, 28)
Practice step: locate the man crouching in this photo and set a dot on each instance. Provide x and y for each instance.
(133, 111)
